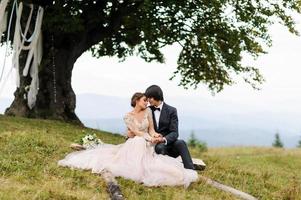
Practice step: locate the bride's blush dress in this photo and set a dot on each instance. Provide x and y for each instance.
(135, 159)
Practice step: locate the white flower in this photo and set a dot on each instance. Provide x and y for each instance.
(90, 141)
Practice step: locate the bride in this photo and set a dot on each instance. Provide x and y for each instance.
(135, 159)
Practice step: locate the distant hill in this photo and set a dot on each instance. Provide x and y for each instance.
(219, 123)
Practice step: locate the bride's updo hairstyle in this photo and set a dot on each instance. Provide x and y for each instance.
(136, 97)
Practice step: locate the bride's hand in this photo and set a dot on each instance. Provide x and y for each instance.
(154, 140)
(157, 135)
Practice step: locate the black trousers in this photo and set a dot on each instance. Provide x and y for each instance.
(178, 148)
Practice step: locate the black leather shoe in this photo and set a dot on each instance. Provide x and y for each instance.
(199, 167)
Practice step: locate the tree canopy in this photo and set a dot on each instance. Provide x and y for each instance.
(213, 34)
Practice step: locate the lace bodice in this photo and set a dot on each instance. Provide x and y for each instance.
(134, 124)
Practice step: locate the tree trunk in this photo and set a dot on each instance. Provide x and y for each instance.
(56, 98)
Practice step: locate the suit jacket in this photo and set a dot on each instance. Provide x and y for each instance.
(168, 123)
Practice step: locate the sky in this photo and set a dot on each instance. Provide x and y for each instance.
(107, 76)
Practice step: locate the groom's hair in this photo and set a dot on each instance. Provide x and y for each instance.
(155, 92)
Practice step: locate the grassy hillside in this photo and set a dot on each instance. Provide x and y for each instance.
(30, 149)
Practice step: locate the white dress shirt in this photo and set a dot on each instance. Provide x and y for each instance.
(157, 114)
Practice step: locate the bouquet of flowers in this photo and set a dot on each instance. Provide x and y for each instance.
(90, 141)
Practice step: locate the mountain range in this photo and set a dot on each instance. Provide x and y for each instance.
(218, 123)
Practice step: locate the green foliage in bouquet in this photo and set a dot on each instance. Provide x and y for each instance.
(89, 141)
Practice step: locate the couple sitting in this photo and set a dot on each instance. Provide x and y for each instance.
(149, 154)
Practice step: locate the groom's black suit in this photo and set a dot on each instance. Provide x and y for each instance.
(168, 127)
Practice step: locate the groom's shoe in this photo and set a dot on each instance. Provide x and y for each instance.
(198, 164)
(199, 167)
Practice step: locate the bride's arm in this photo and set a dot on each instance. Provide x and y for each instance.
(131, 126)
(151, 128)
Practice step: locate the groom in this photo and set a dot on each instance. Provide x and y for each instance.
(165, 120)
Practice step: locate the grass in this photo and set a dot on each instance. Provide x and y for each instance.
(30, 149)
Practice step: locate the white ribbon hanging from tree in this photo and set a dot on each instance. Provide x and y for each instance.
(34, 55)
(3, 27)
(3, 16)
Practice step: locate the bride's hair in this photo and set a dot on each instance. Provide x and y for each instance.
(136, 97)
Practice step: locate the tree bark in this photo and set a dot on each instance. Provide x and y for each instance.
(56, 98)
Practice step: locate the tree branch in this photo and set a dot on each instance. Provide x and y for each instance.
(96, 32)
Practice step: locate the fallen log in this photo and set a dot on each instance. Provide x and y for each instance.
(112, 186)
(235, 192)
